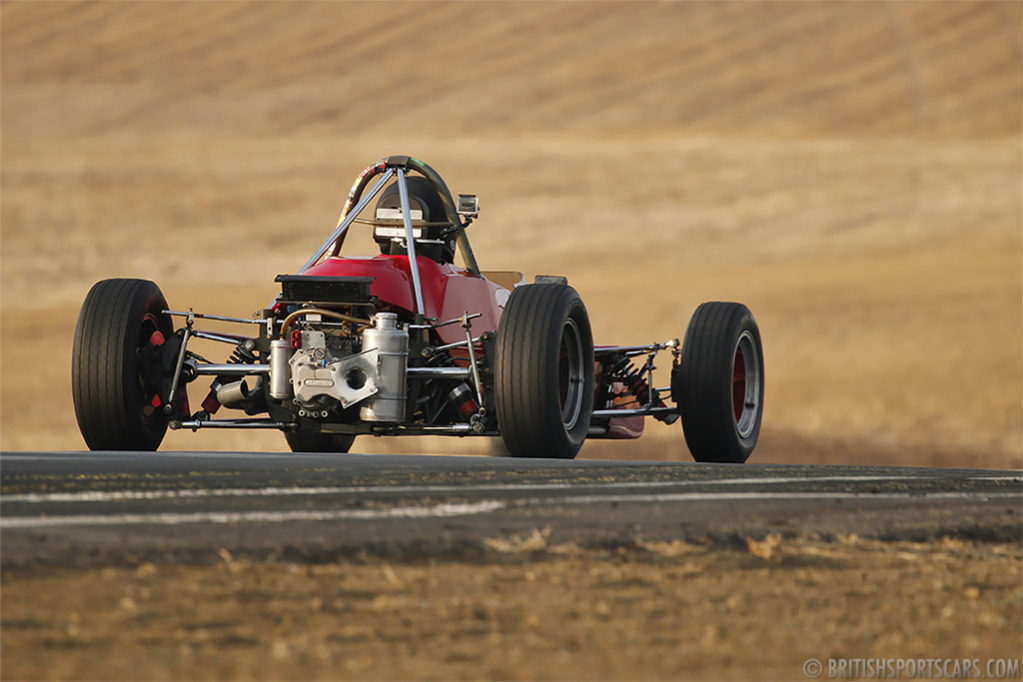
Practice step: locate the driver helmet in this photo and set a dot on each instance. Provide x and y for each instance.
(428, 214)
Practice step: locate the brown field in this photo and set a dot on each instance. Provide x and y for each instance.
(850, 171)
(667, 611)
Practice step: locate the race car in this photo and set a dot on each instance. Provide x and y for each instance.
(411, 338)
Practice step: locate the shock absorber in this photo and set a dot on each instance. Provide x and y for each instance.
(244, 353)
(637, 384)
(461, 396)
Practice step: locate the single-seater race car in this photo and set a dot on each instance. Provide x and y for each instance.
(410, 339)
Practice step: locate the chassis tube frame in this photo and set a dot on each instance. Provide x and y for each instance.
(410, 243)
(347, 220)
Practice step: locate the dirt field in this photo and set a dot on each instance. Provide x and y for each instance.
(667, 611)
(851, 171)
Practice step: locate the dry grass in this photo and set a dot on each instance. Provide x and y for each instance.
(850, 171)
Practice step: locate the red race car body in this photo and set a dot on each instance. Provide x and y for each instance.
(448, 290)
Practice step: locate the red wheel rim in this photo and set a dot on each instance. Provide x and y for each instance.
(150, 337)
(746, 385)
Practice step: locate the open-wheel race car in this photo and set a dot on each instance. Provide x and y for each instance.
(413, 339)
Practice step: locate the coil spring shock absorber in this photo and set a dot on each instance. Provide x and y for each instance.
(637, 384)
(244, 353)
(461, 396)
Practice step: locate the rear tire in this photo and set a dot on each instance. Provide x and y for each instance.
(116, 405)
(543, 374)
(719, 383)
(307, 441)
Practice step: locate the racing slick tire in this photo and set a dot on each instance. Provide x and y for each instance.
(719, 383)
(308, 441)
(116, 404)
(543, 374)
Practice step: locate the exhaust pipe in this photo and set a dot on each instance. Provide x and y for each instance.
(234, 394)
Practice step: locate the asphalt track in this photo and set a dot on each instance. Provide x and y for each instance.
(106, 508)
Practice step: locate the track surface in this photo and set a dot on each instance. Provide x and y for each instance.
(103, 508)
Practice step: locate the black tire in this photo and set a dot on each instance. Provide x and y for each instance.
(308, 441)
(719, 383)
(543, 374)
(119, 321)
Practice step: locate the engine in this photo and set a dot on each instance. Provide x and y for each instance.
(321, 377)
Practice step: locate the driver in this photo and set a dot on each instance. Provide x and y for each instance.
(428, 215)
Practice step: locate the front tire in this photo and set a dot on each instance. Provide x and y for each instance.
(116, 402)
(543, 374)
(719, 383)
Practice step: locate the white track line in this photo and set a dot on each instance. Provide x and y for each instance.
(471, 509)
(193, 493)
(436, 511)
(734, 496)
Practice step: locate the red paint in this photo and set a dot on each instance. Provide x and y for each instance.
(623, 428)
(619, 428)
(183, 408)
(448, 291)
(211, 404)
(156, 338)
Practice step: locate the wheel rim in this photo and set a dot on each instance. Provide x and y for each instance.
(745, 385)
(571, 377)
(149, 338)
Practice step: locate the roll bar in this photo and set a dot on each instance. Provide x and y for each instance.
(356, 201)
